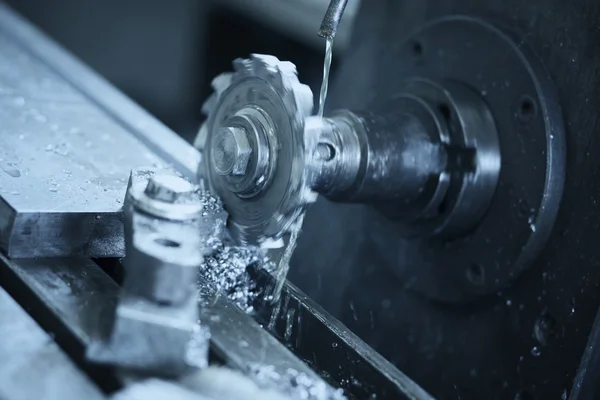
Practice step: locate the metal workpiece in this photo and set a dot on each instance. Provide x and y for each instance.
(95, 94)
(64, 157)
(253, 146)
(33, 366)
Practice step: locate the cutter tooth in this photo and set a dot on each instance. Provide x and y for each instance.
(200, 140)
(242, 66)
(304, 99)
(222, 82)
(209, 105)
(264, 61)
(287, 75)
(265, 67)
(288, 68)
(285, 79)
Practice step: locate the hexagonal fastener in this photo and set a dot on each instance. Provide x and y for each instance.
(231, 151)
(169, 188)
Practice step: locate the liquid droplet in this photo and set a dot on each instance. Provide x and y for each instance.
(289, 324)
(535, 351)
(15, 173)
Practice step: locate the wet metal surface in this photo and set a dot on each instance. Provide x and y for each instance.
(64, 158)
(29, 355)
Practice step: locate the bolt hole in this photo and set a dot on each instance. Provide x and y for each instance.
(166, 242)
(527, 109)
(475, 274)
(325, 151)
(417, 48)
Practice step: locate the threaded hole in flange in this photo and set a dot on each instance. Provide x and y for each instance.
(475, 274)
(527, 109)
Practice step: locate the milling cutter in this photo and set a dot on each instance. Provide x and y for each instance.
(431, 158)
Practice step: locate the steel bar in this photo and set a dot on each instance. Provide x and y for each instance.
(33, 366)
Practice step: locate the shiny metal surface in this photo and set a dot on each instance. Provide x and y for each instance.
(334, 167)
(264, 99)
(64, 136)
(109, 100)
(33, 366)
(235, 151)
(155, 326)
(163, 194)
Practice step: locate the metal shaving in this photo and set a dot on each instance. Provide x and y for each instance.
(297, 384)
(210, 204)
(225, 266)
(226, 271)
